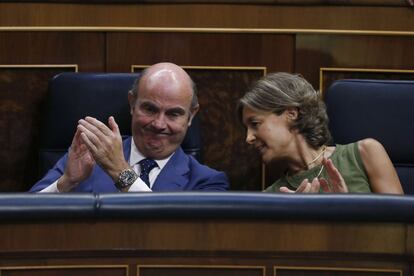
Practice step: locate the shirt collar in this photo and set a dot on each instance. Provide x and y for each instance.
(137, 156)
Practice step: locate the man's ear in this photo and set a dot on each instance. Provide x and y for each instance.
(131, 100)
(193, 112)
(292, 113)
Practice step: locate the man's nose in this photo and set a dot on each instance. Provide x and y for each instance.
(159, 122)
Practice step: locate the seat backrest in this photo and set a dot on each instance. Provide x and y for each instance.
(72, 96)
(380, 109)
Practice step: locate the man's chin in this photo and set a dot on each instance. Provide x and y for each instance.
(158, 152)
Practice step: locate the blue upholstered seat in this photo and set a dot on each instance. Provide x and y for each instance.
(380, 109)
(214, 205)
(72, 96)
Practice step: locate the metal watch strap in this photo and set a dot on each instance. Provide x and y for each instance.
(126, 178)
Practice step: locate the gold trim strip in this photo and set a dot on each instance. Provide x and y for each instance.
(366, 70)
(252, 68)
(207, 266)
(206, 30)
(337, 269)
(262, 268)
(13, 66)
(125, 266)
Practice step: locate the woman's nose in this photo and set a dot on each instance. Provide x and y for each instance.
(250, 137)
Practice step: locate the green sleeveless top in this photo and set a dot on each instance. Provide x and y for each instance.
(346, 159)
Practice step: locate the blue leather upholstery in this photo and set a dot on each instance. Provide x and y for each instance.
(218, 205)
(44, 206)
(333, 207)
(379, 109)
(73, 96)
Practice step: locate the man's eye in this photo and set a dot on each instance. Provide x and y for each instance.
(149, 109)
(175, 113)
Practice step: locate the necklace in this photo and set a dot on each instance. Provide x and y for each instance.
(290, 178)
(295, 180)
(317, 157)
(320, 171)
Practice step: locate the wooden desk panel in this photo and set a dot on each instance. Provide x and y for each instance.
(367, 247)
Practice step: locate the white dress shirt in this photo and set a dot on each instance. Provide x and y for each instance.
(138, 185)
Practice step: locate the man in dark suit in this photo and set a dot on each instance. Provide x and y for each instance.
(162, 103)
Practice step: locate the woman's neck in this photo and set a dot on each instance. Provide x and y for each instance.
(304, 157)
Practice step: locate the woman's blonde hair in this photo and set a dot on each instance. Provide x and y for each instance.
(278, 91)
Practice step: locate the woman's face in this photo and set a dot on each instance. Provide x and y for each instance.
(269, 133)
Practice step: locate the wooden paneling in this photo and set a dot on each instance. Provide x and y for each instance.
(410, 239)
(274, 2)
(164, 270)
(326, 17)
(310, 271)
(207, 247)
(205, 235)
(27, 62)
(345, 51)
(223, 137)
(275, 52)
(22, 94)
(81, 48)
(65, 271)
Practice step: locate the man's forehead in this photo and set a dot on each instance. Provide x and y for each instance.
(160, 105)
(162, 75)
(157, 77)
(166, 95)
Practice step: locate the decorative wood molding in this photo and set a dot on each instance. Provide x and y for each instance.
(212, 267)
(64, 267)
(204, 30)
(255, 68)
(256, 2)
(48, 66)
(338, 269)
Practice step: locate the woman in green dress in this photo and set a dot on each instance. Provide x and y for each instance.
(286, 121)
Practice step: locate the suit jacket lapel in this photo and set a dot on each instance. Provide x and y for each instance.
(174, 176)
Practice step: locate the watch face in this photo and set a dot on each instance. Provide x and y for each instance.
(126, 178)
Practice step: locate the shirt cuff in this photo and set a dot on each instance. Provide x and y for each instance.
(139, 186)
(52, 188)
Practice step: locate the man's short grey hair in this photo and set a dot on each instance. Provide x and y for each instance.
(278, 91)
(134, 89)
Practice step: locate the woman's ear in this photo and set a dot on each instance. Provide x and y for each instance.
(292, 113)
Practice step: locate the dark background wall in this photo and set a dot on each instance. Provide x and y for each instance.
(225, 47)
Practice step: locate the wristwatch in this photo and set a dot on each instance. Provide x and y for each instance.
(126, 178)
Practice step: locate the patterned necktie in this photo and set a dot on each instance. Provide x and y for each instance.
(147, 165)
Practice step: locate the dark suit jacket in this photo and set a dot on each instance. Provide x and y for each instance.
(182, 172)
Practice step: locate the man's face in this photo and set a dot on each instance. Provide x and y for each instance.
(161, 114)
